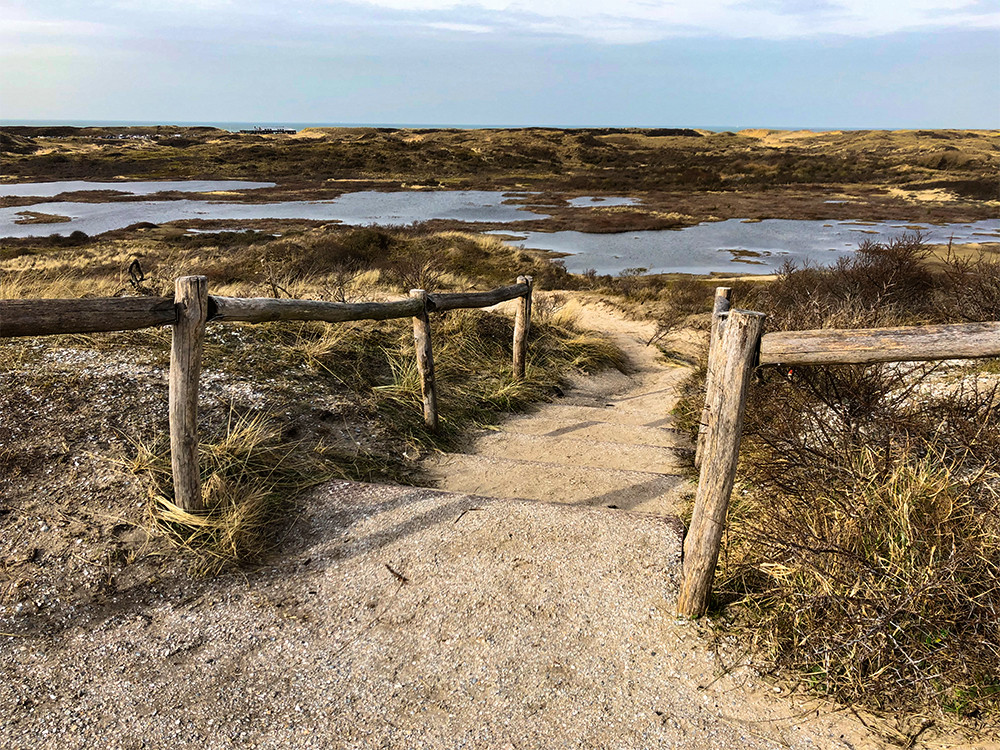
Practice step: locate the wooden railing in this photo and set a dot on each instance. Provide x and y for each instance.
(191, 308)
(737, 346)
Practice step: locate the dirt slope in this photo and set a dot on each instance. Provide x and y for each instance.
(414, 618)
(410, 618)
(608, 442)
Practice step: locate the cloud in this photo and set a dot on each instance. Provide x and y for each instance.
(607, 21)
(29, 27)
(646, 20)
(470, 28)
(23, 36)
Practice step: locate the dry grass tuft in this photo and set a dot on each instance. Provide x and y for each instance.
(866, 550)
(472, 364)
(353, 385)
(251, 473)
(250, 477)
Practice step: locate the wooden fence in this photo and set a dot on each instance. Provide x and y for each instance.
(737, 346)
(191, 308)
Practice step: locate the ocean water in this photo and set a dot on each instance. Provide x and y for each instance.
(236, 125)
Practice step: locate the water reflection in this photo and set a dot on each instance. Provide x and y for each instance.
(52, 189)
(758, 247)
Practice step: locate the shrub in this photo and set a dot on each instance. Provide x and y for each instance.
(881, 284)
(866, 549)
(863, 550)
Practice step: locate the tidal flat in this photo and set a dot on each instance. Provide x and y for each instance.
(763, 245)
(673, 177)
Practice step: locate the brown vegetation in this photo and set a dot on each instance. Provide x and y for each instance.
(936, 175)
(36, 217)
(284, 406)
(863, 551)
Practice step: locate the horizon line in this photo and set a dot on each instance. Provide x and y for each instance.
(300, 125)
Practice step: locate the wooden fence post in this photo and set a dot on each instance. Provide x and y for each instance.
(191, 302)
(522, 327)
(720, 308)
(425, 361)
(738, 352)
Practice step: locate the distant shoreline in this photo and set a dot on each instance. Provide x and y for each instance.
(235, 126)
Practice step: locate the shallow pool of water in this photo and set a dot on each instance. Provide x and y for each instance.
(607, 201)
(759, 247)
(724, 246)
(351, 208)
(52, 189)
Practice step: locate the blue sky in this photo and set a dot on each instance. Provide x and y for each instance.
(778, 63)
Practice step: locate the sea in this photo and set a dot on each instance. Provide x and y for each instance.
(237, 126)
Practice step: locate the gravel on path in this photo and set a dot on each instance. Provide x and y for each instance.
(411, 618)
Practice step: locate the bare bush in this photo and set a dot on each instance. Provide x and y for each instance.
(864, 548)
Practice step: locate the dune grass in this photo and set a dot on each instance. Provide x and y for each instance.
(532, 158)
(252, 472)
(862, 554)
(314, 401)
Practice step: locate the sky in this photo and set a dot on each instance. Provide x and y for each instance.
(558, 63)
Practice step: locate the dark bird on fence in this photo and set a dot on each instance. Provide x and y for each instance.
(135, 278)
(135, 273)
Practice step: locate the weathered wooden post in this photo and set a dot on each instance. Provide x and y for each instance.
(425, 361)
(522, 327)
(738, 352)
(191, 303)
(720, 308)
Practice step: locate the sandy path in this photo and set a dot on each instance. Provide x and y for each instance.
(410, 618)
(400, 617)
(608, 442)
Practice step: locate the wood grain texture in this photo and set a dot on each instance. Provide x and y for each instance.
(43, 317)
(263, 310)
(425, 361)
(522, 328)
(738, 355)
(863, 345)
(442, 302)
(720, 308)
(191, 300)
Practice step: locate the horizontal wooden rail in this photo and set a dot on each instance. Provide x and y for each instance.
(864, 345)
(728, 375)
(260, 310)
(43, 317)
(192, 307)
(263, 310)
(442, 302)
